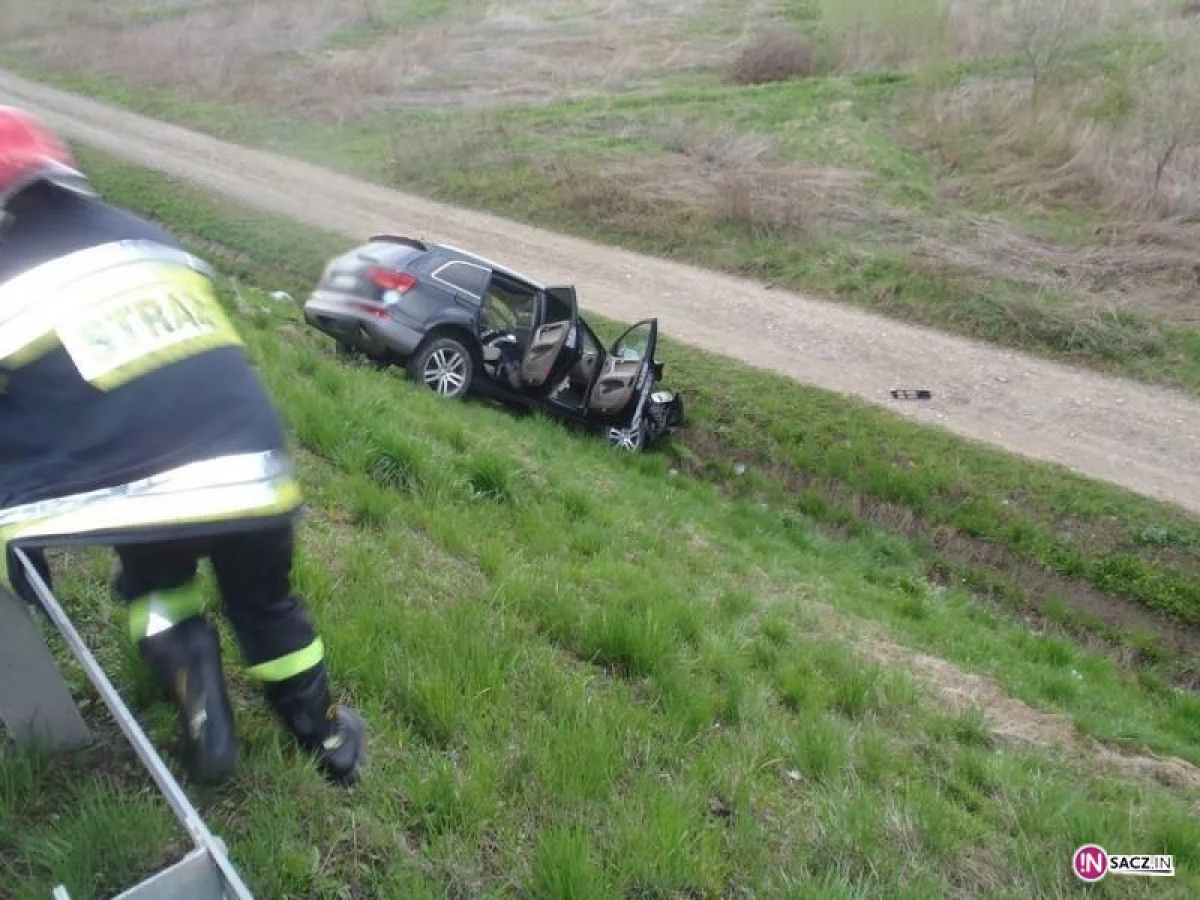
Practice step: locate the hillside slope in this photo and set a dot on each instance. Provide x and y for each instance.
(576, 692)
(1133, 435)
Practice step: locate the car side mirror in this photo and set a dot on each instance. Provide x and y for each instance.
(658, 370)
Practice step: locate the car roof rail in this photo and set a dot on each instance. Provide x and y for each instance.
(398, 239)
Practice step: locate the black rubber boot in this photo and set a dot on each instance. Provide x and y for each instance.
(187, 661)
(335, 734)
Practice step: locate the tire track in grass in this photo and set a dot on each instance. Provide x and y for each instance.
(1008, 719)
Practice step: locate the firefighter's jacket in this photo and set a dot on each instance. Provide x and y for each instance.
(128, 407)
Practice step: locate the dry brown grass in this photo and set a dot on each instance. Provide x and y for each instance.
(873, 35)
(1039, 30)
(23, 18)
(223, 51)
(1145, 164)
(280, 54)
(1131, 267)
(796, 199)
(738, 177)
(712, 174)
(416, 154)
(275, 54)
(1140, 171)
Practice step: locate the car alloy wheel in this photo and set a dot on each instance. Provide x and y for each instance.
(445, 371)
(629, 438)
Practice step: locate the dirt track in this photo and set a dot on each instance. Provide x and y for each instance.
(1140, 437)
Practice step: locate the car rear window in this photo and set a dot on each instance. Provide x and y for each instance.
(345, 272)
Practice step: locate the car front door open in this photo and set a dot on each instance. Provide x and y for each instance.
(626, 370)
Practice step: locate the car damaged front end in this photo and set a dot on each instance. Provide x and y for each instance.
(655, 416)
(665, 413)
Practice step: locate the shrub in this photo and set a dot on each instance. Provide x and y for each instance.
(778, 56)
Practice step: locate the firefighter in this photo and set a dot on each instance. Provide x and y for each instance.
(131, 418)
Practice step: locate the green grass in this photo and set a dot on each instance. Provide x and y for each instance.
(832, 454)
(588, 677)
(584, 675)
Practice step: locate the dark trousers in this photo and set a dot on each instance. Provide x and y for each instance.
(253, 572)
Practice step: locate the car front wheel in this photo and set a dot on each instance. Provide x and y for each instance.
(445, 366)
(628, 438)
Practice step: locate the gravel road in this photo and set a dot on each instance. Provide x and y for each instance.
(1140, 437)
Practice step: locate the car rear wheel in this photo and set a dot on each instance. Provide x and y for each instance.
(445, 366)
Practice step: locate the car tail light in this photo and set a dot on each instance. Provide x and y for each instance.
(391, 280)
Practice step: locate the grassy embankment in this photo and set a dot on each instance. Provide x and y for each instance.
(589, 678)
(904, 168)
(1024, 177)
(1073, 553)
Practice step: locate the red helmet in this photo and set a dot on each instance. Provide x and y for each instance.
(31, 152)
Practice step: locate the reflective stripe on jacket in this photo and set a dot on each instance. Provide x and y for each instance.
(128, 408)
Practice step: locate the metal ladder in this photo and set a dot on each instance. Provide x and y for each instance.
(206, 872)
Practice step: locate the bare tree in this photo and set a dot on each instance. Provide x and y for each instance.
(1042, 32)
(1168, 118)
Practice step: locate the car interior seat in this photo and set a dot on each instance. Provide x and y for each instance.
(615, 386)
(543, 350)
